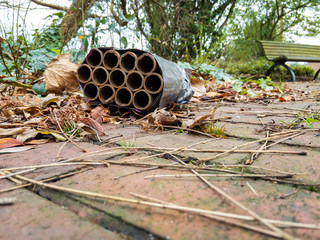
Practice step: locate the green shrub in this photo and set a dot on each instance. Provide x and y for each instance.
(302, 70)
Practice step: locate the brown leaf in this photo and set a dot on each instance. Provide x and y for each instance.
(163, 117)
(37, 141)
(94, 124)
(190, 123)
(11, 131)
(26, 135)
(9, 142)
(197, 85)
(213, 94)
(60, 75)
(100, 114)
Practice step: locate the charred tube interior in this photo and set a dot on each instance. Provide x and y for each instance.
(123, 97)
(84, 73)
(106, 94)
(142, 100)
(128, 61)
(90, 90)
(100, 76)
(134, 80)
(153, 83)
(117, 78)
(94, 57)
(146, 63)
(111, 59)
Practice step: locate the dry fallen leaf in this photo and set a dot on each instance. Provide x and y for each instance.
(198, 87)
(9, 142)
(94, 124)
(190, 123)
(60, 75)
(100, 114)
(163, 117)
(11, 131)
(27, 134)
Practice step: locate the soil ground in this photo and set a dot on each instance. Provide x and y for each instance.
(44, 213)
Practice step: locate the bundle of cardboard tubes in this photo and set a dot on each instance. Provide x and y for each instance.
(129, 79)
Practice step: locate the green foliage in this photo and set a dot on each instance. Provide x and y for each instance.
(303, 70)
(215, 130)
(253, 67)
(209, 69)
(39, 89)
(307, 117)
(127, 144)
(70, 128)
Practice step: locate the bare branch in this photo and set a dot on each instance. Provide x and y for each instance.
(57, 7)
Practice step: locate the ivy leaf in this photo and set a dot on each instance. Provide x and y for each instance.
(129, 17)
(39, 89)
(112, 26)
(124, 41)
(85, 43)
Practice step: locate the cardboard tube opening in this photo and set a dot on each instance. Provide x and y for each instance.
(117, 78)
(111, 59)
(146, 63)
(94, 57)
(123, 97)
(84, 73)
(128, 61)
(106, 94)
(134, 80)
(142, 100)
(100, 76)
(90, 90)
(153, 83)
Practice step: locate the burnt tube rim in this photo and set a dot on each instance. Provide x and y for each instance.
(112, 82)
(116, 53)
(96, 80)
(86, 95)
(78, 75)
(140, 58)
(119, 103)
(89, 62)
(111, 98)
(122, 58)
(146, 81)
(148, 105)
(129, 85)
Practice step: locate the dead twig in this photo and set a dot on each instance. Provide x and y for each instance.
(34, 167)
(66, 136)
(252, 189)
(200, 161)
(7, 201)
(215, 150)
(20, 185)
(219, 175)
(288, 195)
(262, 147)
(65, 143)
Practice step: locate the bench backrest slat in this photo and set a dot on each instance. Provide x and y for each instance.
(290, 51)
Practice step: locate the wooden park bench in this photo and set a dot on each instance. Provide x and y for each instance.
(280, 52)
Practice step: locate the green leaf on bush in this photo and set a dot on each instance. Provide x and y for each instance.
(56, 51)
(39, 89)
(124, 41)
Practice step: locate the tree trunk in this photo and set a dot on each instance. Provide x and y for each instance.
(74, 18)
